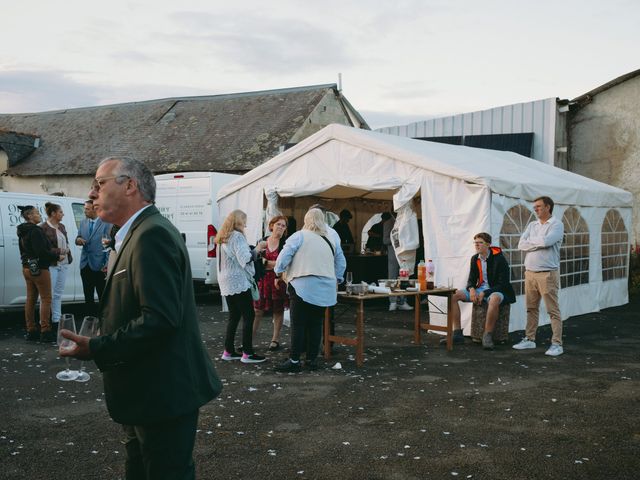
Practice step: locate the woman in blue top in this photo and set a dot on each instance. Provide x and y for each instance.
(235, 271)
(314, 265)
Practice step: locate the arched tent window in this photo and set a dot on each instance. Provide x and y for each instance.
(364, 235)
(574, 252)
(515, 221)
(615, 241)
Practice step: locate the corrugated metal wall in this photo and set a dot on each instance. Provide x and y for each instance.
(538, 117)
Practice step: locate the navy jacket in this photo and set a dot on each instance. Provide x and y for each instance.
(498, 274)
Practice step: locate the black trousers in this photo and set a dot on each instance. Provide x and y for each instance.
(162, 451)
(240, 306)
(306, 326)
(92, 281)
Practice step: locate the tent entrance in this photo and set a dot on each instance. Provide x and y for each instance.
(365, 207)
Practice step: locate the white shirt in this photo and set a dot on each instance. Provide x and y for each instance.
(483, 265)
(122, 233)
(542, 243)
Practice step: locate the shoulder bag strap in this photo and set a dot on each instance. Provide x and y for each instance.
(329, 243)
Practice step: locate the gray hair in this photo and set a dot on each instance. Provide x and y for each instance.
(314, 221)
(134, 169)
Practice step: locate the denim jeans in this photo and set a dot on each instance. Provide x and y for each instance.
(58, 281)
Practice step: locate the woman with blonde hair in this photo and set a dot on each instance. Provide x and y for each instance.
(273, 295)
(314, 265)
(57, 235)
(235, 274)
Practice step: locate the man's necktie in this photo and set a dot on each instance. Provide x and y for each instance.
(90, 227)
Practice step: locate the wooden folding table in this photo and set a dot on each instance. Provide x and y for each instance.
(359, 301)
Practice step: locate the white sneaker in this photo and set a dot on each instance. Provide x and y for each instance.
(392, 307)
(554, 350)
(524, 344)
(405, 306)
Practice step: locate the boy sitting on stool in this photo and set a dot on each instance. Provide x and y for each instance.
(488, 282)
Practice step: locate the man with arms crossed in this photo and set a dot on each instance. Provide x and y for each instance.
(541, 240)
(156, 371)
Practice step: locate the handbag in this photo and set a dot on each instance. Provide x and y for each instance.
(34, 268)
(258, 265)
(255, 293)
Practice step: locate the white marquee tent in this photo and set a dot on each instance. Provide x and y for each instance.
(457, 192)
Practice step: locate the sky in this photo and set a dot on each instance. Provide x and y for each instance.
(401, 61)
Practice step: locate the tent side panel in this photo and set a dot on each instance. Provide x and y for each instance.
(452, 212)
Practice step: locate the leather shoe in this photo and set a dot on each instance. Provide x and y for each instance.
(288, 366)
(311, 364)
(47, 337)
(458, 338)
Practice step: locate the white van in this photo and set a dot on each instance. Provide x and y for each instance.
(188, 200)
(13, 292)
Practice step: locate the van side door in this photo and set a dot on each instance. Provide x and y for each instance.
(13, 286)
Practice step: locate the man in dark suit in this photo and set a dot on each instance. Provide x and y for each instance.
(93, 259)
(156, 371)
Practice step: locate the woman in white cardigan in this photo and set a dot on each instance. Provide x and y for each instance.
(235, 270)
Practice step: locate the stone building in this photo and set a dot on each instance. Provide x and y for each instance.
(604, 137)
(58, 151)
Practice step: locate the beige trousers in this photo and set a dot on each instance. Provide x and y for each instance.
(543, 285)
(40, 285)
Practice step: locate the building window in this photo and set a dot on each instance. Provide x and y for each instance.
(615, 243)
(574, 252)
(515, 221)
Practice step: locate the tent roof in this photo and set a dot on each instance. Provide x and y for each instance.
(505, 173)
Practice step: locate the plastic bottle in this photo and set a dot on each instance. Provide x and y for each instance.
(404, 271)
(431, 274)
(422, 275)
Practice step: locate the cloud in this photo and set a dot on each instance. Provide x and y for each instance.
(23, 91)
(40, 90)
(261, 44)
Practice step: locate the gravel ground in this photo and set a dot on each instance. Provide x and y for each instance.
(412, 412)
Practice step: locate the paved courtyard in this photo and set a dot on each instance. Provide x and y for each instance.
(412, 411)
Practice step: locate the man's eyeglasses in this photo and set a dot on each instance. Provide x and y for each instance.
(97, 183)
(479, 243)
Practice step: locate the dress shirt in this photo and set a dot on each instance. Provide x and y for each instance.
(542, 243)
(125, 228)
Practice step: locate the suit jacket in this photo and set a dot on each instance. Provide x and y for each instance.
(498, 275)
(154, 364)
(93, 251)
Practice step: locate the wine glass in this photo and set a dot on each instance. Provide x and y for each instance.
(67, 322)
(348, 280)
(106, 241)
(89, 328)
